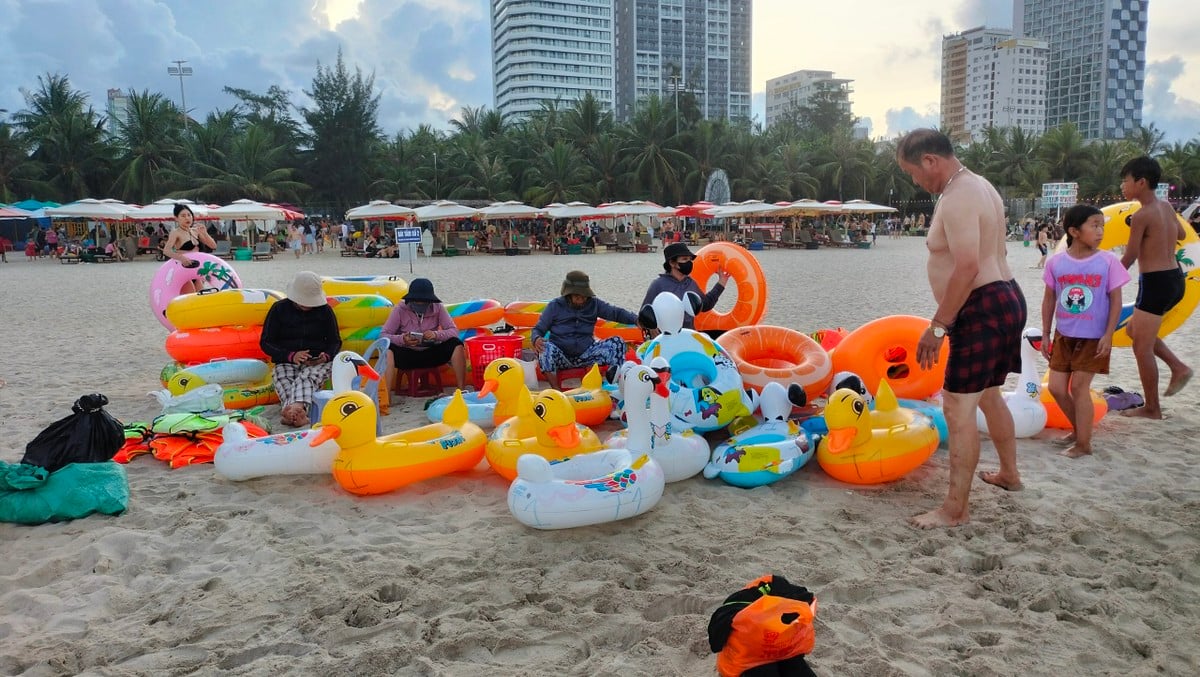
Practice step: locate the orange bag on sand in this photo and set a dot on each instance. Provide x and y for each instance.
(769, 621)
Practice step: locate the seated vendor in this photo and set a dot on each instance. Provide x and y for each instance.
(422, 333)
(300, 335)
(570, 323)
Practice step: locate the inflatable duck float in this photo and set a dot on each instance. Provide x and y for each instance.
(706, 388)
(681, 453)
(245, 382)
(872, 447)
(545, 426)
(241, 457)
(769, 451)
(367, 465)
(1025, 401)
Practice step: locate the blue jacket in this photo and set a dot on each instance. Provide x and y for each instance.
(666, 282)
(573, 331)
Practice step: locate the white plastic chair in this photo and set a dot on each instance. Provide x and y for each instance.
(376, 355)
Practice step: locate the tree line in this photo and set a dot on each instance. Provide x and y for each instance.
(333, 154)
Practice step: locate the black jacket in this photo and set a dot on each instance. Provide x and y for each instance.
(288, 329)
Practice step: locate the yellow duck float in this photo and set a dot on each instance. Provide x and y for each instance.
(366, 465)
(506, 378)
(872, 447)
(545, 426)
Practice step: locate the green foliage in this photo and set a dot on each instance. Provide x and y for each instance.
(334, 155)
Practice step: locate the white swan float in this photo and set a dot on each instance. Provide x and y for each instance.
(241, 457)
(681, 453)
(1025, 402)
(603, 486)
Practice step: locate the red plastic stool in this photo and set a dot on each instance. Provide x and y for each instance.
(421, 382)
(575, 372)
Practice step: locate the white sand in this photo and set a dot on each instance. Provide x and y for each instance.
(1093, 569)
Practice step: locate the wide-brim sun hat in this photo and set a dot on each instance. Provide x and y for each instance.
(577, 282)
(421, 290)
(673, 250)
(305, 289)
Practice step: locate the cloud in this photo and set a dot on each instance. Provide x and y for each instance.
(901, 120)
(1176, 116)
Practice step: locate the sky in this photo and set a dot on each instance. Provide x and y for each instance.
(433, 57)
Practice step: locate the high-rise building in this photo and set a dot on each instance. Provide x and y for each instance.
(117, 110)
(788, 93)
(701, 47)
(1097, 61)
(547, 51)
(991, 79)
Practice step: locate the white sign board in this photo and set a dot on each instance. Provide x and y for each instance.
(1056, 195)
(1162, 190)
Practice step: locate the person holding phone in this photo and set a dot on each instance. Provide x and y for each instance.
(422, 333)
(300, 335)
(187, 236)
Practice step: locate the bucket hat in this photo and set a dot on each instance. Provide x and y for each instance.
(577, 282)
(421, 290)
(673, 250)
(305, 289)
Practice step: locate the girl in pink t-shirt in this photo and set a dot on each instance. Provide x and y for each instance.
(1083, 298)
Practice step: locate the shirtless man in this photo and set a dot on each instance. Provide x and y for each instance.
(979, 306)
(1153, 231)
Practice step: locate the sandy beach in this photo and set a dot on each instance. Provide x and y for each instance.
(1094, 569)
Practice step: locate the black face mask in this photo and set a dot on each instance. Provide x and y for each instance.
(419, 307)
(685, 267)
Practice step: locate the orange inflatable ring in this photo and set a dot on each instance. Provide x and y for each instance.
(524, 313)
(888, 347)
(1055, 418)
(764, 353)
(191, 346)
(743, 269)
(629, 333)
(477, 313)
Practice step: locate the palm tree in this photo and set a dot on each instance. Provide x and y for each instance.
(1013, 154)
(608, 162)
(845, 159)
(1147, 140)
(400, 173)
(795, 162)
(149, 143)
(18, 171)
(1064, 152)
(654, 156)
(68, 137)
(254, 169)
(560, 174)
(708, 144)
(586, 121)
(1105, 163)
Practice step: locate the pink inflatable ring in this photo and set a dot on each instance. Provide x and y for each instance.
(168, 282)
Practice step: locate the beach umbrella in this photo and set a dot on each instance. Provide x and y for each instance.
(248, 210)
(92, 209)
(380, 210)
(164, 210)
(444, 209)
(511, 210)
(694, 211)
(747, 208)
(864, 207)
(573, 210)
(289, 214)
(31, 205)
(14, 213)
(637, 208)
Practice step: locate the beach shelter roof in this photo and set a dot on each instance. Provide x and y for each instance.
(381, 210)
(30, 205)
(573, 210)
(15, 213)
(444, 209)
(864, 207)
(247, 210)
(637, 208)
(288, 213)
(96, 210)
(695, 210)
(808, 207)
(511, 210)
(747, 208)
(164, 210)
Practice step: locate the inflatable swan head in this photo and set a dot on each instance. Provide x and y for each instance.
(345, 366)
(666, 312)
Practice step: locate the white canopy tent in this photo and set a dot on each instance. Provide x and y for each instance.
(573, 210)
(380, 210)
(90, 208)
(164, 210)
(864, 207)
(249, 210)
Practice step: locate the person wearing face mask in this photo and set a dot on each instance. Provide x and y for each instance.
(677, 264)
(564, 337)
(422, 333)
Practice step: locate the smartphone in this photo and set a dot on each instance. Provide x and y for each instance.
(416, 334)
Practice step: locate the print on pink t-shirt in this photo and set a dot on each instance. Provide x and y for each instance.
(1081, 287)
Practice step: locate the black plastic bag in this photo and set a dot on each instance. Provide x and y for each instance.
(90, 435)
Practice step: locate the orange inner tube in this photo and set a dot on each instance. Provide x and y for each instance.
(743, 269)
(888, 347)
(765, 353)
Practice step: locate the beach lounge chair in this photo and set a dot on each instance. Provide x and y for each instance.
(262, 252)
(647, 243)
(606, 239)
(463, 247)
(223, 249)
(624, 242)
(806, 240)
(521, 242)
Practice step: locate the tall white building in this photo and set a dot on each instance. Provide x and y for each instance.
(787, 93)
(560, 50)
(117, 110)
(701, 47)
(1097, 61)
(992, 79)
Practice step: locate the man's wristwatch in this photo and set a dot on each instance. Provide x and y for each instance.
(939, 331)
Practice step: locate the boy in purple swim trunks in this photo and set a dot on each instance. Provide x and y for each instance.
(979, 306)
(1153, 232)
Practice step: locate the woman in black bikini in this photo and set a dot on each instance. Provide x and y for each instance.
(186, 237)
